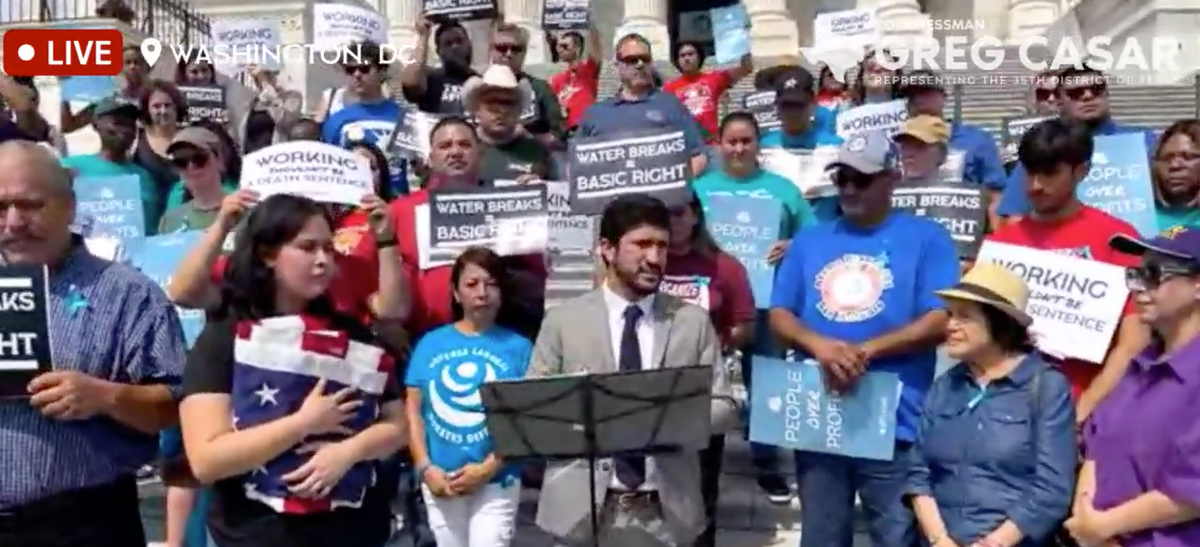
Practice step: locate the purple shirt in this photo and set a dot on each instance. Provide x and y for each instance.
(1141, 442)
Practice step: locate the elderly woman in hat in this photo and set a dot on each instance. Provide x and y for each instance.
(994, 464)
(509, 152)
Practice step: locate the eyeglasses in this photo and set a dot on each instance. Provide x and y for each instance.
(357, 69)
(509, 49)
(1097, 89)
(1042, 94)
(635, 60)
(847, 177)
(197, 160)
(1151, 276)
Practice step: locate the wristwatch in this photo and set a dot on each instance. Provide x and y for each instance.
(385, 243)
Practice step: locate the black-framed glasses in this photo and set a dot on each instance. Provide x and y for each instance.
(635, 60)
(1152, 275)
(849, 177)
(1097, 89)
(357, 69)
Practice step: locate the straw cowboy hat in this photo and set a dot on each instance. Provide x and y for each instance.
(496, 77)
(996, 286)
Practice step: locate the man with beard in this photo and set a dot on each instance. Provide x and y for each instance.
(496, 100)
(115, 121)
(628, 325)
(1057, 155)
(856, 293)
(543, 118)
(438, 90)
(1083, 97)
(578, 85)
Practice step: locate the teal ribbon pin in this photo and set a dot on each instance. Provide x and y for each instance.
(76, 301)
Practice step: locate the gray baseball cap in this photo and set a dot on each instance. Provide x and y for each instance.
(868, 153)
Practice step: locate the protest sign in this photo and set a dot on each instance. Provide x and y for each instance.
(1075, 303)
(316, 170)
(954, 167)
(106, 247)
(568, 232)
(746, 227)
(960, 207)
(857, 26)
(761, 104)
(157, 257)
(605, 168)
(565, 14)
(441, 11)
(410, 137)
(339, 25)
(205, 102)
(87, 89)
(113, 205)
(427, 257)
(1119, 182)
(24, 327)
(510, 220)
(807, 169)
(790, 407)
(1011, 132)
(693, 289)
(255, 35)
(731, 32)
(886, 117)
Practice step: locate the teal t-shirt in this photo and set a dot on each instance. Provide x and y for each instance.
(175, 196)
(1170, 217)
(797, 212)
(822, 132)
(92, 165)
(448, 367)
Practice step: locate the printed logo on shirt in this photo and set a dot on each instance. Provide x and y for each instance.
(530, 112)
(451, 97)
(565, 94)
(457, 413)
(346, 239)
(852, 287)
(697, 98)
(692, 289)
(376, 132)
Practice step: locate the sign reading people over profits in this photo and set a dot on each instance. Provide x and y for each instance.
(1075, 303)
(510, 220)
(24, 327)
(205, 102)
(604, 168)
(959, 207)
(111, 206)
(318, 171)
(1119, 182)
(441, 11)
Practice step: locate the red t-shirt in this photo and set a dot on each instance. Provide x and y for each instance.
(432, 297)
(702, 95)
(576, 88)
(718, 283)
(355, 280)
(1083, 235)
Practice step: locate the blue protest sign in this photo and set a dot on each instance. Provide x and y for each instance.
(113, 204)
(791, 408)
(746, 227)
(731, 32)
(1119, 181)
(157, 257)
(87, 89)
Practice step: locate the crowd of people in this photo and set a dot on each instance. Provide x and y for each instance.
(335, 383)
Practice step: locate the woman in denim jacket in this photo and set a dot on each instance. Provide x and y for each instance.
(995, 458)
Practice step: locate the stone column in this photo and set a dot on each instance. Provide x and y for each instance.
(773, 30)
(1028, 18)
(903, 20)
(527, 14)
(402, 16)
(648, 18)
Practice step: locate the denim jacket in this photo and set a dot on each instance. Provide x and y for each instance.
(1004, 452)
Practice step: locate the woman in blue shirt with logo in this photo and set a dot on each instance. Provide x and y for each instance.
(471, 495)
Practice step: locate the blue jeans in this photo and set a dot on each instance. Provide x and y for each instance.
(765, 457)
(827, 487)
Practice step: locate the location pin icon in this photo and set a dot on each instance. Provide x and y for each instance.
(151, 49)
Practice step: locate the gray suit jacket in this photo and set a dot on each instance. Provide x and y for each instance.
(575, 334)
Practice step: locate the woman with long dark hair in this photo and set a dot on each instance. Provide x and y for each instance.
(873, 82)
(379, 169)
(471, 494)
(289, 405)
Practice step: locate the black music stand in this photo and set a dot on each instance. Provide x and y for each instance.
(592, 416)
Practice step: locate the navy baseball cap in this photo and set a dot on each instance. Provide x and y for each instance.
(1180, 242)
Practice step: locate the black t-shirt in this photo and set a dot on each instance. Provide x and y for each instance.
(443, 92)
(237, 521)
(260, 131)
(165, 175)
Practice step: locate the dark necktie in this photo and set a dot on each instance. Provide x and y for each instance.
(631, 470)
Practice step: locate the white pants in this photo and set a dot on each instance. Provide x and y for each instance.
(487, 518)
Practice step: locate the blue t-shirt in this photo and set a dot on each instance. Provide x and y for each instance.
(981, 156)
(92, 165)
(1015, 202)
(822, 132)
(853, 285)
(371, 122)
(448, 367)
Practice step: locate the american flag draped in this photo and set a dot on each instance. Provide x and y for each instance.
(277, 362)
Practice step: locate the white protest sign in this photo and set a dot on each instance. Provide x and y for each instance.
(953, 168)
(567, 232)
(246, 40)
(847, 27)
(1075, 303)
(807, 169)
(316, 170)
(886, 117)
(338, 25)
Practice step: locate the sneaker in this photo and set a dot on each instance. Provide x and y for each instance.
(776, 488)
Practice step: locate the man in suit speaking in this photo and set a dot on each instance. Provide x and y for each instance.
(626, 324)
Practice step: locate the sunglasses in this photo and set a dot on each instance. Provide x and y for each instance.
(1152, 275)
(182, 161)
(1042, 94)
(358, 69)
(635, 60)
(847, 177)
(510, 49)
(1076, 93)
